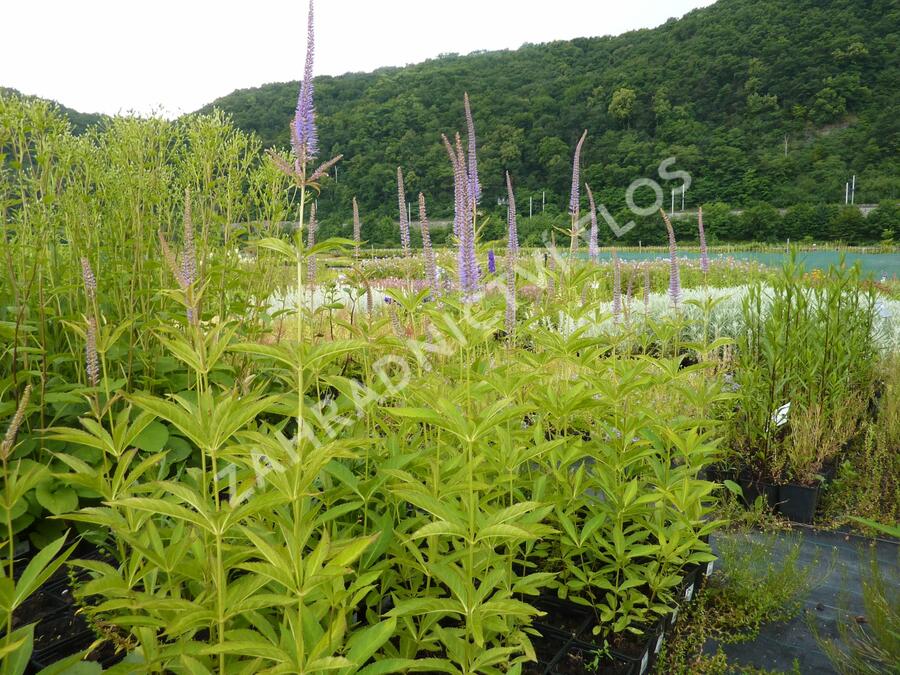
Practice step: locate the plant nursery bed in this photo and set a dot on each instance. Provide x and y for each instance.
(835, 599)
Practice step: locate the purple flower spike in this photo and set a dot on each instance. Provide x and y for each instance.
(617, 287)
(474, 185)
(90, 281)
(304, 136)
(92, 361)
(646, 288)
(492, 263)
(704, 256)
(357, 229)
(574, 198)
(674, 275)
(462, 221)
(404, 217)
(512, 242)
(430, 264)
(593, 251)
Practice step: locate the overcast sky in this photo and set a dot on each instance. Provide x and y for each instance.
(177, 55)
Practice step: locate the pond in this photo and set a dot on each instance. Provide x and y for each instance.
(874, 264)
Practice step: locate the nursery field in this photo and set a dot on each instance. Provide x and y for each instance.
(242, 450)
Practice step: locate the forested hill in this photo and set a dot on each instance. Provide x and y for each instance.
(760, 100)
(80, 121)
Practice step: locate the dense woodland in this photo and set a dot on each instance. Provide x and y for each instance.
(765, 104)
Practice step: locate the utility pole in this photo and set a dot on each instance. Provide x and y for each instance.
(785, 144)
(846, 193)
(542, 200)
(853, 190)
(335, 173)
(672, 210)
(682, 196)
(530, 201)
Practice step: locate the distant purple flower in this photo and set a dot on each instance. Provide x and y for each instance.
(646, 287)
(304, 136)
(593, 251)
(430, 264)
(357, 229)
(617, 287)
(574, 198)
(704, 256)
(512, 235)
(474, 186)
(404, 216)
(629, 292)
(674, 275)
(492, 263)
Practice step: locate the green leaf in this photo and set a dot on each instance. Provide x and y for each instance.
(73, 665)
(153, 438)
(733, 487)
(14, 657)
(56, 497)
(363, 644)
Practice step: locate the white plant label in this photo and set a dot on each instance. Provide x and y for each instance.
(780, 416)
(658, 644)
(709, 568)
(644, 661)
(689, 592)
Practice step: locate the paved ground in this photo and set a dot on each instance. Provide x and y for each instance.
(837, 597)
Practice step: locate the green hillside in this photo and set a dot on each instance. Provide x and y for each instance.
(80, 121)
(760, 100)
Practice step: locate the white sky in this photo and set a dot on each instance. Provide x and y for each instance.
(177, 55)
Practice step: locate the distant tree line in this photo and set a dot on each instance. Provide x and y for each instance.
(760, 222)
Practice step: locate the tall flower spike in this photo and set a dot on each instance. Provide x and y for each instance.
(90, 281)
(512, 241)
(188, 261)
(404, 216)
(169, 257)
(9, 439)
(430, 264)
(646, 288)
(593, 250)
(629, 291)
(474, 186)
(310, 242)
(304, 136)
(617, 287)
(674, 274)
(92, 361)
(704, 256)
(357, 230)
(467, 265)
(492, 262)
(574, 197)
(459, 207)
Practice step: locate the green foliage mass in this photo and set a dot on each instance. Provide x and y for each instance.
(759, 100)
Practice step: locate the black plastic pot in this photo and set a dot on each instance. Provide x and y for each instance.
(638, 660)
(564, 619)
(798, 502)
(752, 488)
